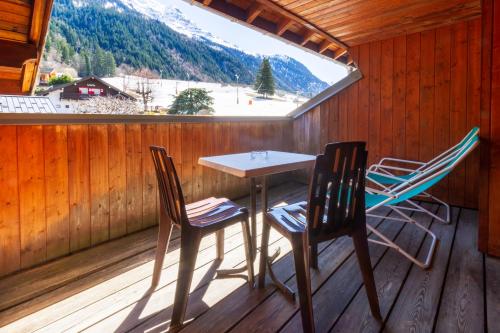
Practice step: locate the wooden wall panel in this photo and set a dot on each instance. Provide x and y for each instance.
(149, 182)
(442, 54)
(490, 115)
(412, 103)
(473, 103)
(55, 147)
(117, 179)
(79, 187)
(32, 198)
(99, 183)
(134, 177)
(10, 245)
(69, 187)
(458, 104)
(412, 96)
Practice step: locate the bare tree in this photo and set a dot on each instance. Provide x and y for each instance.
(108, 105)
(145, 83)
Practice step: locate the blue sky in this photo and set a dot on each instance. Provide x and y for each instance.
(256, 42)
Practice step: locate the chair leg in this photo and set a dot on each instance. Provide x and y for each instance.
(314, 255)
(266, 228)
(190, 243)
(360, 240)
(300, 249)
(164, 233)
(219, 235)
(248, 250)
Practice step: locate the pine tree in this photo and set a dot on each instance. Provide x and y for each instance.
(48, 43)
(109, 64)
(88, 66)
(65, 54)
(98, 62)
(192, 101)
(264, 80)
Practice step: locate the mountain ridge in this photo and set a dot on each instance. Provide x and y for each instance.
(141, 40)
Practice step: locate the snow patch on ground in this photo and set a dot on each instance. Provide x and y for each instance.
(250, 104)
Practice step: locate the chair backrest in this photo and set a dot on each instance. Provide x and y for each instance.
(337, 190)
(171, 196)
(472, 135)
(423, 182)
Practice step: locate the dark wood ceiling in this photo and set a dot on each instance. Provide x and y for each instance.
(23, 26)
(330, 27)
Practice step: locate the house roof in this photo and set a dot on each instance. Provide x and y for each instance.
(62, 86)
(26, 104)
(46, 70)
(22, 39)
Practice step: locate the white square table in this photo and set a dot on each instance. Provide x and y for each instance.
(244, 166)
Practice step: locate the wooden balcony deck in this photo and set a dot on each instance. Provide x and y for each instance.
(104, 289)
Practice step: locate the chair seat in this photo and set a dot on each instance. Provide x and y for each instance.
(291, 218)
(211, 211)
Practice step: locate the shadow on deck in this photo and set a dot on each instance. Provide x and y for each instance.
(104, 289)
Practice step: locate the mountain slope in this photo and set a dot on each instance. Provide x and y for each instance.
(138, 40)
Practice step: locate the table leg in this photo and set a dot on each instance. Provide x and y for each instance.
(280, 285)
(253, 229)
(253, 215)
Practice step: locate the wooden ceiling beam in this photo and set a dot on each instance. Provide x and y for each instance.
(28, 76)
(339, 53)
(16, 54)
(252, 16)
(253, 12)
(286, 13)
(206, 2)
(325, 45)
(307, 37)
(10, 73)
(36, 21)
(283, 26)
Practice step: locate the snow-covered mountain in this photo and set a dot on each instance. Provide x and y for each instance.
(290, 74)
(173, 17)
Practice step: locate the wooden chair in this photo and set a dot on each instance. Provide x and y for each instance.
(195, 221)
(335, 207)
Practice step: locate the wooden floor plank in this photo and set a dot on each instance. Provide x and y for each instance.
(28, 284)
(341, 286)
(417, 303)
(78, 292)
(462, 303)
(110, 309)
(390, 275)
(276, 310)
(71, 306)
(493, 293)
(81, 307)
(160, 319)
(151, 311)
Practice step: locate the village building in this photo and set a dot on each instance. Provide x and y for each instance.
(66, 97)
(47, 73)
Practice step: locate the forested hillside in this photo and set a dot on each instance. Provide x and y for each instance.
(94, 38)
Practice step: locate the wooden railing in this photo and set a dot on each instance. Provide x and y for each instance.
(69, 182)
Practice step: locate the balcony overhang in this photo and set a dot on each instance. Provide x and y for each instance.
(330, 28)
(22, 38)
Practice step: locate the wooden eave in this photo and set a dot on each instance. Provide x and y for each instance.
(331, 27)
(22, 39)
(271, 18)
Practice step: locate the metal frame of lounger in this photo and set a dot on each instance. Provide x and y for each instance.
(397, 194)
(383, 170)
